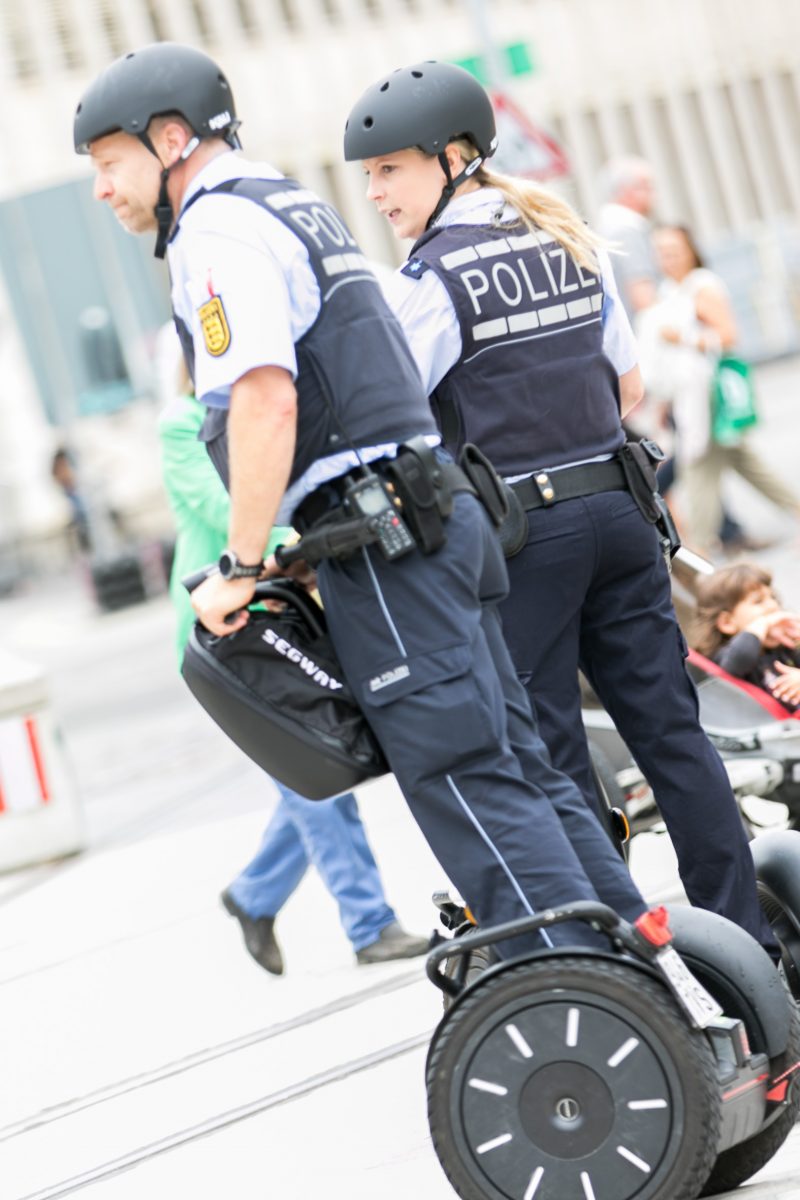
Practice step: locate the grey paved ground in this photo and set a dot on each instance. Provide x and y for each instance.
(141, 1051)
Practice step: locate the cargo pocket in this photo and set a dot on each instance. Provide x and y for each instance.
(432, 711)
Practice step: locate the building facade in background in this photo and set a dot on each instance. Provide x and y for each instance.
(707, 90)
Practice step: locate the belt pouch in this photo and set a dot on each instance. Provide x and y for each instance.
(421, 487)
(492, 491)
(498, 498)
(640, 475)
(513, 530)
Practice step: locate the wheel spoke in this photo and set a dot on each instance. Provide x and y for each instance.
(533, 1186)
(586, 1184)
(633, 1158)
(502, 1140)
(625, 1049)
(519, 1041)
(483, 1085)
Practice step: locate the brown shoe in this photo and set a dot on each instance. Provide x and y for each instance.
(392, 942)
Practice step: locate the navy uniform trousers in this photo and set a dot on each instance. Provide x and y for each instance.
(421, 645)
(591, 589)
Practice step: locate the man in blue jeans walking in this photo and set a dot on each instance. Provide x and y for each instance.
(329, 835)
(326, 833)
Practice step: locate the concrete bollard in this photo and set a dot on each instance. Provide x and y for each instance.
(40, 817)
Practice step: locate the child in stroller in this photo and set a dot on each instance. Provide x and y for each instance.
(740, 625)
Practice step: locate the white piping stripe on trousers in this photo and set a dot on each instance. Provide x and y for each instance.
(484, 835)
(526, 904)
(384, 608)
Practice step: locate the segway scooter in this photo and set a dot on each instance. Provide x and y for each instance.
(610, 1075)
(616, 1074)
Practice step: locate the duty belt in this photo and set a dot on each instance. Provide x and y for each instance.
(326, 502)
(545, 488)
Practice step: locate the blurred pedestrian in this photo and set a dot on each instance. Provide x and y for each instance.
(627, 186)
(326, 833)
(62, 470)
(511, 310)
(694, 331)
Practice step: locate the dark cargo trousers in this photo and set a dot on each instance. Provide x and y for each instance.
(421, 646)
(591, 589)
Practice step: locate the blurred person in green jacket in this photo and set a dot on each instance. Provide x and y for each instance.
(327, 833)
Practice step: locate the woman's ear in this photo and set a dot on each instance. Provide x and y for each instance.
(453, 156)
(726, 624)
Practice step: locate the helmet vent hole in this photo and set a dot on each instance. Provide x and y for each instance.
(385, 86)
(368, 122)
(417, 74)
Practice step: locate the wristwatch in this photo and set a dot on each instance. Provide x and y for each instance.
(231, 568)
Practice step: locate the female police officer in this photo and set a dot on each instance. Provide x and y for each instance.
(269, 291)
(509, 305)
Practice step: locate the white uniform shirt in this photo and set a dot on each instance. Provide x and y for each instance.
(231, 248)
(267, 297)
(429, 318)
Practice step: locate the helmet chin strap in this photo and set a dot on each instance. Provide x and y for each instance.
(449, 189)
(163, 209)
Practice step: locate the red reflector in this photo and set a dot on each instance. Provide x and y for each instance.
(778, 1093)
(654, 926)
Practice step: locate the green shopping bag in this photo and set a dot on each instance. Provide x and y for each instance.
(733, 401)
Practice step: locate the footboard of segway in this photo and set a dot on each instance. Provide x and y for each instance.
(577, 1073)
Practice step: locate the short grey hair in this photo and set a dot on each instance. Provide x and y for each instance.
(618, 174)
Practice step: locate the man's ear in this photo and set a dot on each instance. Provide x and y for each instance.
(171, 141)
(726, 624)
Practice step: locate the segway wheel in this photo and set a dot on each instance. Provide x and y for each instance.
(742, 1161)
(572, 1077)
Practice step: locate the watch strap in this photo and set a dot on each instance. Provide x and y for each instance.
(238, 570)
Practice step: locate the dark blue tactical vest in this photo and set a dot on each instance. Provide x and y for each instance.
(532, 387)
(357, 384)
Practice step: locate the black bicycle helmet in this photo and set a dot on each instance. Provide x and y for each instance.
(426, 105)
(161, 78)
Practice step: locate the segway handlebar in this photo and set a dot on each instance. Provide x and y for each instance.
(598, 915)
(277, 587)
(648, 939)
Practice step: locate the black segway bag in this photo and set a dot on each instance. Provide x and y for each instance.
(276, 688)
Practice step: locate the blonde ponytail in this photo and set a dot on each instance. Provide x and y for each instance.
(541, 211)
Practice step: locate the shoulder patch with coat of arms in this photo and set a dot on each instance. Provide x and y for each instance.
(216, 331)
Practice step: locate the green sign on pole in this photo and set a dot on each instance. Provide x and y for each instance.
(517, 56)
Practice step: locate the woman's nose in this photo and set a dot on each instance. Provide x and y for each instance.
(373, 188)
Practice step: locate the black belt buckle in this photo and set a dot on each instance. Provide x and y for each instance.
(545, 488)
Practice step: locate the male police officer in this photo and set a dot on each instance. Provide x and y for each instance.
(307, 377)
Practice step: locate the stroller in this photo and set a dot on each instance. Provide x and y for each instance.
(757, 738)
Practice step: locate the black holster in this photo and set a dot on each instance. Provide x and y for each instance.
(667, 530)
(639, 461)
(498, 498)
(421, 483)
